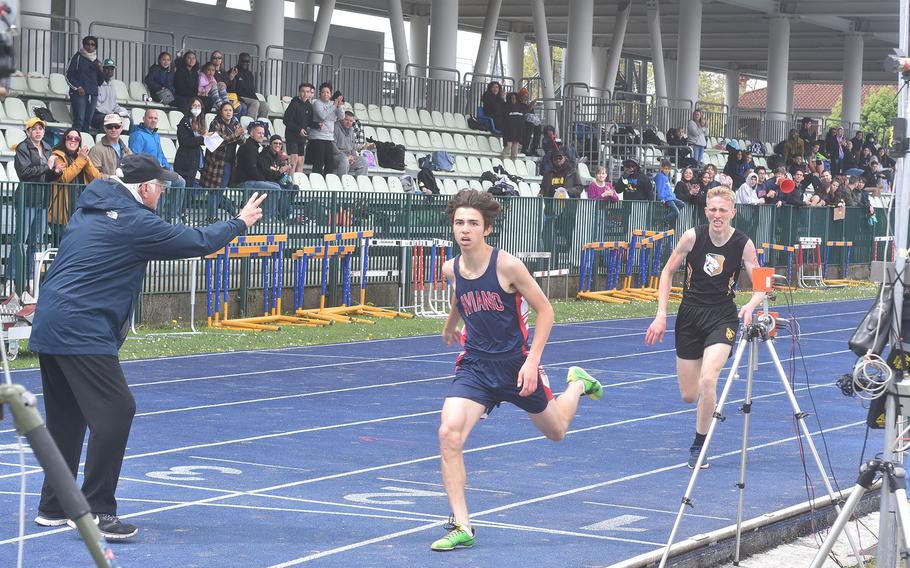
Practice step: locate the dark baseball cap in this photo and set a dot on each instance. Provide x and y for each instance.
(140, 168)
(109, 63)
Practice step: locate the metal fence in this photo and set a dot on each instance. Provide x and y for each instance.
(34, 216)
(368, 81)
(284, 68)
(48, 49)
(133, 57)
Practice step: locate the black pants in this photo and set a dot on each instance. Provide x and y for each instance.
(80, 391)
(321, 153)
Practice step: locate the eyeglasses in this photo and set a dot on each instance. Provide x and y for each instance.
(217, 57)
(112, 126)
(73, 139)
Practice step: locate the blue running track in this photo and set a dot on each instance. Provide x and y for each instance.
(328, 455)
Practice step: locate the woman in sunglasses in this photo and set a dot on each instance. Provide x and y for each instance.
(84, 74)
(78, 171)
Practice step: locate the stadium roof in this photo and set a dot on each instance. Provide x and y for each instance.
(734, 32)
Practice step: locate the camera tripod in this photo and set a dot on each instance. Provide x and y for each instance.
(761, 330)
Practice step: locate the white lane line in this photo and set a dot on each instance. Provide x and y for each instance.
(469, 488)
(655, 510)
(387, 537)
(232, 494)
(266, 465)
(545, 530)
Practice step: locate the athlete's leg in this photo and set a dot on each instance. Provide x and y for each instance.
(554, 421)
(711, 364)
(687, 373)
(459, 415)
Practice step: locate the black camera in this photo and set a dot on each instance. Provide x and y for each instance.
(337, 94)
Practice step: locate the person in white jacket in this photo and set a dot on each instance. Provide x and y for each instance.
(746, 192)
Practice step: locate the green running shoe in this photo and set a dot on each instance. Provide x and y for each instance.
(457, 537)
(592, 386)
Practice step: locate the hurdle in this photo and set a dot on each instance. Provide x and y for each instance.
(268, 248)
(301, 259)
(547, 272)
(847, 248)
(648, 247)
(884, 239)
(612, 253)
(429, 293)
(764, 257)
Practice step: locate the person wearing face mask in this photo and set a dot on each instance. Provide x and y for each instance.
(77, 169)
(84, 74)
(191, 133)
(107, 99)
(220, 162)
(244, 85)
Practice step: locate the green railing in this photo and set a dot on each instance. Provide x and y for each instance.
(526, 224)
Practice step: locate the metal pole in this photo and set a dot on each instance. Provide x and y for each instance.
(747, 413)
(886, 544)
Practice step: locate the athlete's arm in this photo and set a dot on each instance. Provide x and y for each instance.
(450, 333)
(750, 260)
(658, 327)
(516, 275)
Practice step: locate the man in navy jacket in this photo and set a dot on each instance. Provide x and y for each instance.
(83, 315)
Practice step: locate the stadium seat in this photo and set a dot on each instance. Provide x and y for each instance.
(426, 119)
(87, 139)
(58, 86)
(410, 162)
(16, 111)
(164, 125)
(317, 182)
(460, 143)
(32, 104)
(471, 142)
(380, 185)
(123, 93)
(333, 182)
(395, 185)
(374, 115)
(11, 174)
(495, 144)
(449, 187)
(3, 177)
(509, 166)
(413, 117)
(136, 115)
(349, 183)
(360, 110)
(278, 127)
(276, 108)
(535, 188)
(39, 86)
(365, 184)
(448, 142)
(168, 149)
(209, 117)
(462, 183)
(245, 121)
(476, 185)
(18, 85)
(5, 150)
(436, 142)
(423, 139)
(461, 165)
(401, 116)
(449, 120)
(410, 140)
(520, 168)
(438, 120)
(139, 94)
(301, 180)
(14, 135)
(382, 134)
(461, 121)
(483, 144)
(474, 166)
(388, 115)
(369, 132)
(398, 137)
(524, 190)
(61, 112)
(584, 175)
(486, 165)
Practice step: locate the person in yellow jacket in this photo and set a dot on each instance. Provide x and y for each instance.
(78, 171)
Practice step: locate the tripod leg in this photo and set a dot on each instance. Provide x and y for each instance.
(718, 408)
(747, 409)
(801, 420)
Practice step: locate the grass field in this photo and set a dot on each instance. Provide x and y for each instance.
(150, 344)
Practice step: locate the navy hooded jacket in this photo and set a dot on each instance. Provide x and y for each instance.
(86, 299)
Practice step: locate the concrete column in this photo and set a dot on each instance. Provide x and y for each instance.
(396, 22)
(778, 65)
(443, 37)
(321, 31)
(689, 49)
(268, 24)
(619, 34)
(36, 33)
(732, 97)
(580, 34)
(791, 87)
(670, 68)
(853, 77)
(544, 61)
(418, 44)
(515, 59)
(305, 10)
(482, 62)
(599, 56)
(657, 52)
(268, 29)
